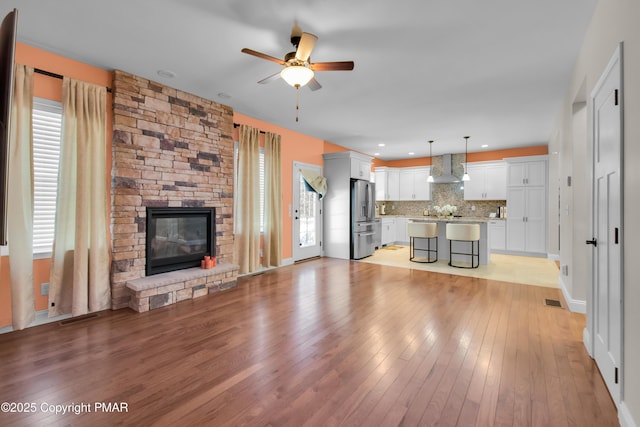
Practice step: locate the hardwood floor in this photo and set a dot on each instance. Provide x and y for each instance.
(326, 342)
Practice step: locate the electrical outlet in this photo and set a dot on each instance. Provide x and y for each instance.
(44, 289)
(564, 269)
(473, 207)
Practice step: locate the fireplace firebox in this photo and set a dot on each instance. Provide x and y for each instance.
(178, 238)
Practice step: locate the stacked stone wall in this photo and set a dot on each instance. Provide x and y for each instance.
(170, 148)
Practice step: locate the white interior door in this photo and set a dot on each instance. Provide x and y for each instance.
(606, 316)
(307, 216)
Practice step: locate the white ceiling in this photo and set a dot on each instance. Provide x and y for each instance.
(424, 69)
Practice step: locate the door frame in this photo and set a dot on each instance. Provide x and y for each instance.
(590, 330)
(295, 176)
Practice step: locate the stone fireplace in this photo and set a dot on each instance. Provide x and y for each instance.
(171, 149)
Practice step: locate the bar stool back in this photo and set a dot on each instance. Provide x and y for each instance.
(427, 231)
(464, 233)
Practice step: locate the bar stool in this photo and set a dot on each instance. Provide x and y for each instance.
(464, 233)
(423, 230)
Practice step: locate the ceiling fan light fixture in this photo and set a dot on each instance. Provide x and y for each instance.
(296, 75)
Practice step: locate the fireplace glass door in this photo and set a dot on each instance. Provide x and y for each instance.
(178, 238)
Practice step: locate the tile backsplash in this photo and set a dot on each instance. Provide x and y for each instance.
(412, 208)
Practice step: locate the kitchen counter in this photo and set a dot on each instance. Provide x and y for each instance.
(465, 219)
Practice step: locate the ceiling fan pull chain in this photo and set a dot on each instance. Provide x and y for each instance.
(297, 98)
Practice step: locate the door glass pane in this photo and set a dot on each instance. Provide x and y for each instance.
(308, 210)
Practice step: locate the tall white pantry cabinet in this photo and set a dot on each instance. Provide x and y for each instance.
(527, 205)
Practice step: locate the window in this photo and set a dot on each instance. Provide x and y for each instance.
(235, 183)
(47, 128)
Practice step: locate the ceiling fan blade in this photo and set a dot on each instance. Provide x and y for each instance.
(313, 84)
(332, 66)
(263, 56)
(269, 79)
(307, 42)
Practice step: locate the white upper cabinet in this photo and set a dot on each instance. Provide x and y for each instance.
(360, 169)
(414, 185)
(527, 173)
(387, 183)
(488, 181)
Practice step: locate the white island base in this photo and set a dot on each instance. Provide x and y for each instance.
(443, 243)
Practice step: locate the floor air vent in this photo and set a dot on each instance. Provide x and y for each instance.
(552, 302)
(77, 319)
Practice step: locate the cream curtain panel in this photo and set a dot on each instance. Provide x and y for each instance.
(272, 201)
(20, 200)
(79, 281)
(247, 225)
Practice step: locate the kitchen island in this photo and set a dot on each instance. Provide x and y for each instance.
(443, 243)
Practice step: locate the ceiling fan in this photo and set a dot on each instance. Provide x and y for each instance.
(298, 69)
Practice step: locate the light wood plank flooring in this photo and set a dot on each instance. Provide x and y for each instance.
(327, 342)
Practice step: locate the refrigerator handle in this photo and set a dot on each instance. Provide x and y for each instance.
(365, 207)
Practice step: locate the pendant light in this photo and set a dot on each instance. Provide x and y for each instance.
(466, 176)
(430, 179)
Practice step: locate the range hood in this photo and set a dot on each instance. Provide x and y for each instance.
(447, 176)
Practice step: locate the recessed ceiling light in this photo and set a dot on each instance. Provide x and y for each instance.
(376, 154)
(380, 145)
(166, 74)
(484, 145)
(411, 153)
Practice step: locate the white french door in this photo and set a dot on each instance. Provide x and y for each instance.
(307, 216)
(605, 317)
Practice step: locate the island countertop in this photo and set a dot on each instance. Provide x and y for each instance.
(465, 219)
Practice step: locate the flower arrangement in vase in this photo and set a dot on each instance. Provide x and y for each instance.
(445, 211)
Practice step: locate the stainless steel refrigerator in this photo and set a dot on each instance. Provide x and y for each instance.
(363, 203)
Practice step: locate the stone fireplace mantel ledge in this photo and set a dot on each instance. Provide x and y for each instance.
(159, 290)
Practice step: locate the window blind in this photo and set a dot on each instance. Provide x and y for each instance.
(47, 129)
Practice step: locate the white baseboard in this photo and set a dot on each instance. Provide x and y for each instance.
(586, 340)
(287, 261)
(624, 416)
(575, 305)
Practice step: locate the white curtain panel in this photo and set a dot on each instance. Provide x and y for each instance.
(20, 200)
(79, 281)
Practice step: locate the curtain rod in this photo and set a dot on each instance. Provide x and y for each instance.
(54, 75)
(237, 125)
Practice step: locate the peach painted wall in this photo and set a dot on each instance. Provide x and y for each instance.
(51, 88)
(295, 147)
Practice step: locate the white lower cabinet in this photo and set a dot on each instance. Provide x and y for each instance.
(388, 231)
(497, 235)
(526, 221)
(402, 234)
